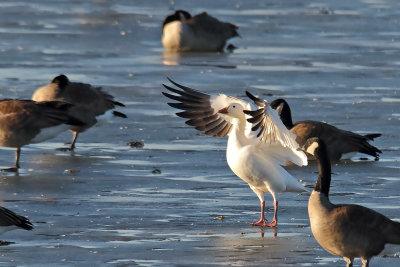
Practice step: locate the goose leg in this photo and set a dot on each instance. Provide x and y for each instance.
(16, 165)
(262, 221)
(17, 156)
(72, 146)
(275, 219)
(348, 261)
(365, 262)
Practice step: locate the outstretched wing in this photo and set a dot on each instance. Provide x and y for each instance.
(271, 129)
(202, 109)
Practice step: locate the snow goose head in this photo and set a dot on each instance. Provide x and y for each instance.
(234, 110)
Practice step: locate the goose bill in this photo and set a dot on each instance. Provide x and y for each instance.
(223, 110)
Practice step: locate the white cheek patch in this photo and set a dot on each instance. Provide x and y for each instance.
(311, 149)
(279, 108)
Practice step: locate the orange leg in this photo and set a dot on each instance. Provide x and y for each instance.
(263, 222)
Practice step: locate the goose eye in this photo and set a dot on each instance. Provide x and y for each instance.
(234, 106)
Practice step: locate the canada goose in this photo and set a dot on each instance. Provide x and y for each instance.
(24, 122)
(89, 102)
(10, 221)
(341, 144)
(182, 32)
(256, 160)
(345, 230)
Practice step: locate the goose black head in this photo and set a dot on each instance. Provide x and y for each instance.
(61, 80)
(179, 15)
(283, 109)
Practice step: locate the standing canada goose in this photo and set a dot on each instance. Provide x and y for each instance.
(10, 221)
(340, 144)
(255, 159)
(346, 230)
(89, 102)
(24, 122)
(182, 32)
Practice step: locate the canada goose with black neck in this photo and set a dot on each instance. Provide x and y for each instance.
(340, 144)
(346, 230)
(90, 102)
(202, 33)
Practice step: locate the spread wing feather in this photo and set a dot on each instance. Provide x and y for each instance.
(271, 129)
(202, 109)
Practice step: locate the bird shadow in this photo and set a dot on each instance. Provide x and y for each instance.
(6, 243)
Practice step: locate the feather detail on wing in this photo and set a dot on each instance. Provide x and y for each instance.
(272, 130)
(202, 109)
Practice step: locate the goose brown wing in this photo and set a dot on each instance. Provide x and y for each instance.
(198, 108)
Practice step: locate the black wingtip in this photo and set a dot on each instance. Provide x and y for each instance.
(171, 81)
(372, 136)
(251, 96)
(118, 103)
(176, 84)
(119, 114)
(254, 113)
(26, 224)
(259, 102)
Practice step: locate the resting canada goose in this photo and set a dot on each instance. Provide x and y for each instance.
(339, 142)
(89, 102)
(24, 122)
(349, 231)
(182, 32)
(10, 221)
(255, 159)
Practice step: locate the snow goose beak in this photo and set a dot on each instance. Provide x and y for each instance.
(223, 110)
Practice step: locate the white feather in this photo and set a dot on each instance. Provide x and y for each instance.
(276, 131)
(50, 132)
(106, 117)
(172, 35)
(348, 155)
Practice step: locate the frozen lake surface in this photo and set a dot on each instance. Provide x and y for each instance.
(175, 201)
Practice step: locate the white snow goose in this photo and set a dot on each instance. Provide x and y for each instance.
(346, 230)
(340, 144)
(256, 160)
(90, 103)
(182, 32)
(24, 122)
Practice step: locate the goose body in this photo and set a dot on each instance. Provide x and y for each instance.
(272, 177)
(90, 103)
(346, 230)
(255, 159)
(182, 32)
(340, 144)
(24, 122)
(10, 221)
